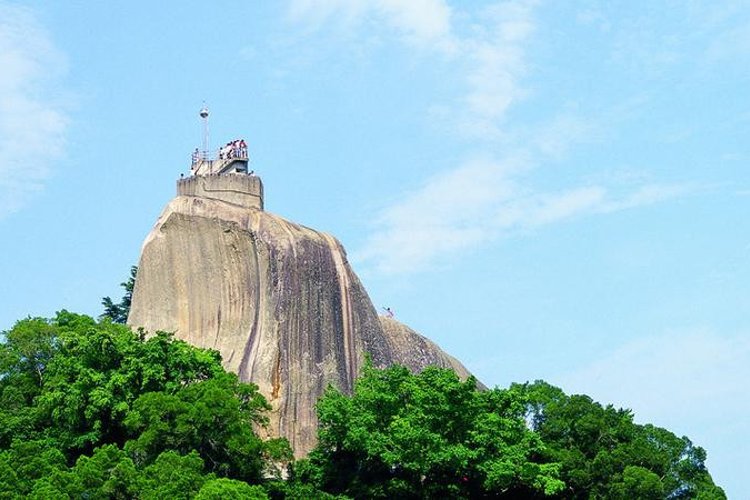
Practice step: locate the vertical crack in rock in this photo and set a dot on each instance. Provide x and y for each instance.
(218, 324)
(276, 381)
(346, 312)
(251, 347)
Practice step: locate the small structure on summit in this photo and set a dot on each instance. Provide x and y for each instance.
(231, 158)
(224, 175)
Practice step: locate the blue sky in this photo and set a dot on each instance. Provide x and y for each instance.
(553, 190)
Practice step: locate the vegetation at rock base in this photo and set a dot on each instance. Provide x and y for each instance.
(604, 454)
(118, 313)
(91, 409)
(427, 436)
(431, 435)
(94, 410)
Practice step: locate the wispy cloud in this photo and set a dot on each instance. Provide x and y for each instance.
(423, 23)
(489, 56)
(555, 137)
(447, 214)
(647, 195)
(32, 121)
(480, 201)
(496, 64)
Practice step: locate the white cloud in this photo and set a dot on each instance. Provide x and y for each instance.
(424, 23)
(495, 54)
(646, 195)
(447, 214)
(490, 56)
(32, 123)
(555, 207)
(556, 137)
(478, 202)
(317, 11)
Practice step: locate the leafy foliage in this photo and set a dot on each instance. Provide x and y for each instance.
(604, 454)
(425, 436)
(213, 417)
(91, 409)
(174, 476)
(229, 489)
(430, 435)
(91, 374)
(118, 313)
(94, 410)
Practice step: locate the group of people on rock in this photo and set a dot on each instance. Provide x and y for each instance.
(233, 149)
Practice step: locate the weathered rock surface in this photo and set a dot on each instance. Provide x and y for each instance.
(416, 351)
(276, 299)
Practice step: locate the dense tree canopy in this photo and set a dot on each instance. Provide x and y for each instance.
(91, 409)
(427, 436)
(430, 435)
(604, 454)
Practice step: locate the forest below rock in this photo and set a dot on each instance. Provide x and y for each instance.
(92, 409)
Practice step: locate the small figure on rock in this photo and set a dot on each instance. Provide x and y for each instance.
(388, 312)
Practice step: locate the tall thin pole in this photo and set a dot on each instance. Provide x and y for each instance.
(204, 117)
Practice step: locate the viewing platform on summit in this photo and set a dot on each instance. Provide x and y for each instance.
(232, 158)
(222, 176)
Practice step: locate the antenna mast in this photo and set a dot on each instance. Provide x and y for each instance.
(204, 118)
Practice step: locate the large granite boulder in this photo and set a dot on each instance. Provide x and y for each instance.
(278, 300)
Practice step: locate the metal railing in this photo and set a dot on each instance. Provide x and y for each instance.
(221, 154)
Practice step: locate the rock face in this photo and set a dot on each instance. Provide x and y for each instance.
(276, 299)
(409, 348)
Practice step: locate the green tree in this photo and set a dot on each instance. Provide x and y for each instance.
(297, 490)
(94, 410)
(10, 485)
(25, 353)
(229, 489)
(425, 436)
(100, 369)
(638, 482)
(173, 476)
(28, 461)
(108, 473)
(213, 417)
(604, 454)
(118, 313)
(133, 416)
